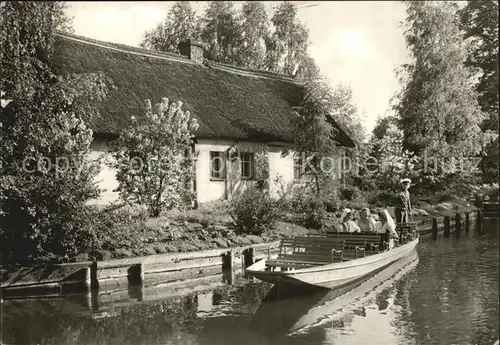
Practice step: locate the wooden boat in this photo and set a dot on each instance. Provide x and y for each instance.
(278, 316)
(332, 260)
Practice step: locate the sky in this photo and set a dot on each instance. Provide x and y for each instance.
(358, 43)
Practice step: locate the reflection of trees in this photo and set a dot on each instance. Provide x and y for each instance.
(161, 322)
(149, 323)
(453, 295)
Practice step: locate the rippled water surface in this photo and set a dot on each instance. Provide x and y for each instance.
(445, 293)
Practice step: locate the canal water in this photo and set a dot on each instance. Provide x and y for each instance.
(447, 292)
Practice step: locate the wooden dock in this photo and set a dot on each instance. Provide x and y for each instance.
(156, 270)
(117, 274)
(491, 209)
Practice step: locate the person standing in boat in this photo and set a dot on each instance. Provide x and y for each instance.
(347, 223)
(403, 208)
(366, 222)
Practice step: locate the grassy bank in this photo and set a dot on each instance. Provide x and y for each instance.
(211, 227)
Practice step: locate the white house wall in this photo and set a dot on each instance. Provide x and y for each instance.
(280, 165)
(211, 190)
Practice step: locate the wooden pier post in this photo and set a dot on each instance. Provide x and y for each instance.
(227, 261)
(479, 220)
(458, 224)
(136, 274)
(249, 256)
(88, 279)
(434, 228)
(227, 267)
(467, 222)
(446, 224)
(248, 259)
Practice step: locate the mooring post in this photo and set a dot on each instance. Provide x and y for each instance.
(458, 224)
(227, 263)
(227, 267)
(93, 276)
(88, 279)
(434, 228)
(248, 259)
(250, 256)
(467, 222)
(136, 274)
(479, 220)
(446, 226)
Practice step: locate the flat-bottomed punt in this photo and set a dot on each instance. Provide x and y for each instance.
(332, 260)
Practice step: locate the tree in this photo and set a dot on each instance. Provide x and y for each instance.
(45, 179)
(315, 134)
(254, 32)
(438, 104)
(153, 158)
(346, 114)
(382, 125)
(180, 24)
(287, 46)
(221, 32)
(394, 161)
(307, 70)
(479, 21)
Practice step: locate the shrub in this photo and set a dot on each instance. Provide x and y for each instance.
(349, 193)
(379, 198)
(254, 211)
(311, 207)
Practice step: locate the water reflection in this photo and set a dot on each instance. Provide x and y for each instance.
(448, 294)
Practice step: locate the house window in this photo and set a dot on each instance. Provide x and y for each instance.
(298, 163)
(217, 165)
(247, 165)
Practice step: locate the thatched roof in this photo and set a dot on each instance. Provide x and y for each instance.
(229, 102)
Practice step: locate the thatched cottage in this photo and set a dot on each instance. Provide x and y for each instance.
(238, 110)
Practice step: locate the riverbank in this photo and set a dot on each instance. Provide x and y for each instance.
(157, 269)
(209, 311)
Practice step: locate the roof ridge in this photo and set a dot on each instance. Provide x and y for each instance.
(177, 58)
(126, 48)
(252, 72)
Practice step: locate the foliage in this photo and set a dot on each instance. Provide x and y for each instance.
(381, 126)
(245, 38)
(309, 206)
(287, 46)
(154, 160)
(438, 104)
(221, 32)
(479, 20)
(180, 24)
(45, 179)
(346, 114)
(254, 32)
(315, 134)
(262, 168)
(255, 212)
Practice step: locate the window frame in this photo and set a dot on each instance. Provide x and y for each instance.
(298, 168)
(251, 162)
(220, 175)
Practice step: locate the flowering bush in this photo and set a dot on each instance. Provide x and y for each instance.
(153, 158)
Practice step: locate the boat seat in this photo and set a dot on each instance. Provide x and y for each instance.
(356, 245)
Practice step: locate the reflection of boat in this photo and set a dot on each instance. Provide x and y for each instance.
(277, 315)
(327, 274)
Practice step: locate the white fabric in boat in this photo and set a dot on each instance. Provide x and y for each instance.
(381, 227)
